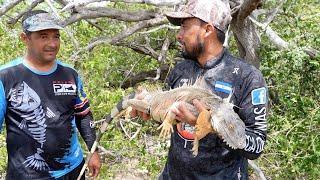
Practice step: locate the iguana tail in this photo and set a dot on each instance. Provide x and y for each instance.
(121, 105)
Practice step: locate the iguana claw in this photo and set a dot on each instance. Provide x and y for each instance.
(195, 147)
(166, 129)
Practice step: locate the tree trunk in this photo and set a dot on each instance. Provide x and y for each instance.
(248, 41)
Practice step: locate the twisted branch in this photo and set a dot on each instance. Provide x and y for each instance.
(77, 3)
(14, 20)
(5, 8)
(98, 12)
(246, 9)
(123, 34)
(142, 49)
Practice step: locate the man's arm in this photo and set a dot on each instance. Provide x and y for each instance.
(84, 122)
(3, 104)
(253, 111)
(83, 117)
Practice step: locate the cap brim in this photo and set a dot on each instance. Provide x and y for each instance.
(39, 28)
(176, 18)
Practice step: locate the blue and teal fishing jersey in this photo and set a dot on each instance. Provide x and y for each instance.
(41, 112)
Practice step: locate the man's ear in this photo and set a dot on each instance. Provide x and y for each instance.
(24, 37)
(209, 30)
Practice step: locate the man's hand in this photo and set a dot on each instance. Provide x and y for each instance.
(184, 115)
(94, 165)
(135, 113)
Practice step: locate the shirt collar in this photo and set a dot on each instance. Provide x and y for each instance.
(213, 62)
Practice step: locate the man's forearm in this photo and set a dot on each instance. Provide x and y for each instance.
(86, 129)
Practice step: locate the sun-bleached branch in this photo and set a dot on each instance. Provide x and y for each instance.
(257, 170)
(77, 3)
(125, 33)
(67, 30)
(14, 20)
(98, 12)
(9, 5)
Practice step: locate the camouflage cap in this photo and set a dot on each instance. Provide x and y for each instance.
(214, 12)
(40, 22)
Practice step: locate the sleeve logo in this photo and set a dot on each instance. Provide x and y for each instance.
(259, 96)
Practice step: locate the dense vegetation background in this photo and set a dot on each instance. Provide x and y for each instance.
(293, 147)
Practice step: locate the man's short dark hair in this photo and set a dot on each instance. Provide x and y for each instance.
(220, 34)
(29, 14)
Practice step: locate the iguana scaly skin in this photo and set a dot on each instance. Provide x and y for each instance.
(220, 119)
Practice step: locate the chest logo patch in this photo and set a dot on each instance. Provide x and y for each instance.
(60, 88)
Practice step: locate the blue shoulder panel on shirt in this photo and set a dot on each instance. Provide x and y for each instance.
(3, 104)
(15, 62)
(80, 88)
(65, 64)
(41, 72)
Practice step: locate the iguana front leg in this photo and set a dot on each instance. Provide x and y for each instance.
(167, 125)
(169, 119)
(202, 128)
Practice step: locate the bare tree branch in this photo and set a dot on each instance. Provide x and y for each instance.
(248, 41)
(246, 9)
(6, 7)
(273, 13)
(142, 49)
(313, 53)
(228, 34)
(161, 27)
(162, 57)
(272, 35)
(275, 39)
(67, 30)
(235, 5)
(77, 3)
(128, 134)
(154, 2)
(95, 25)
(98, 12)
(140, 77)
(259, 12)
(62, 2)
(123, 34)
(257, 170)
(163, 54)
(14, 20)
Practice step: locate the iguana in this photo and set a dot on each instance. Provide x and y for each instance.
(220, 119)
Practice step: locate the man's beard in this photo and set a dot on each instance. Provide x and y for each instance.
(195, 52)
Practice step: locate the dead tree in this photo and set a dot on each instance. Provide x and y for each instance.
(244, 27)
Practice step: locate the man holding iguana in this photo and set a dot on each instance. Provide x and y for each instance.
(202, 33)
